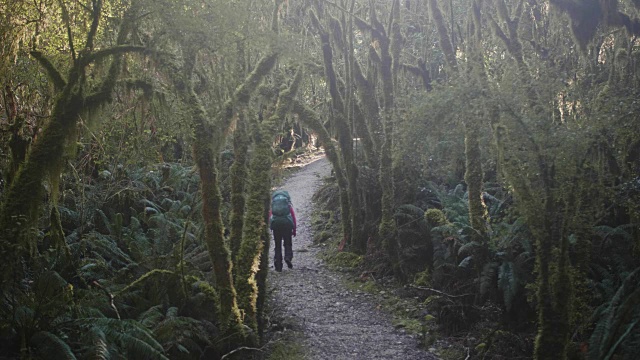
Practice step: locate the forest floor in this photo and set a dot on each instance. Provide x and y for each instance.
(312, 304)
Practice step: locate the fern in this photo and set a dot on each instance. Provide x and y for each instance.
(46, 345)
(617, 319)
(127, 336)
(469, 248)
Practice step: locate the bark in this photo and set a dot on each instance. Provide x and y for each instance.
(543, 215)
(238, 179)
(204, 156)
(387, 227)
(443, 33)
(351, 212)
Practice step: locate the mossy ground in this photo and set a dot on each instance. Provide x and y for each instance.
(288, 348)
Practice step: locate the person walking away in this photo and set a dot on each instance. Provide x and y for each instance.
(282, 221)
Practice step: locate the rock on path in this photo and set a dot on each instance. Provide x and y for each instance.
(335, 323)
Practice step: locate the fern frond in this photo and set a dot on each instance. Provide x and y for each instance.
(466, 262)
(614, 316)
(469, 248)
(50, 346)
(105, 221)
(624, 231)
(101, 346)
(129, 335)
(151, 317)
(172, 312)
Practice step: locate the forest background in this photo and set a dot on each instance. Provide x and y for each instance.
(485, 151)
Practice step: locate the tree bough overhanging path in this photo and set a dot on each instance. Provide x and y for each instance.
(336, 323)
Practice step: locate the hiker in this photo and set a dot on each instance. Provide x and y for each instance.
(282, 220)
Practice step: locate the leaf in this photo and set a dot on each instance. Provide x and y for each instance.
(469, 248)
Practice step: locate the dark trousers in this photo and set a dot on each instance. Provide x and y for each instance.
(278, 236)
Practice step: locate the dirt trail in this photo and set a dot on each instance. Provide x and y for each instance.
(333, 321)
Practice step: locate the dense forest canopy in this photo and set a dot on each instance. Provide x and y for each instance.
(484, 149)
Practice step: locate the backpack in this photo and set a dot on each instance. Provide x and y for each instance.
(280, 212)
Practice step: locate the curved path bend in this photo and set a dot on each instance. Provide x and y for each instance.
(335, 323)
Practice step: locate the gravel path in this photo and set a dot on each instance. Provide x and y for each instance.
(335, 323)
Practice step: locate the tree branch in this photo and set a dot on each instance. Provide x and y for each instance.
(120, 49)
(95, 21)
(54, 74)
(440, 292)
(65, 18)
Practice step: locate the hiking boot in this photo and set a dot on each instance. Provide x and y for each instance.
(289, 264)
(278, 269)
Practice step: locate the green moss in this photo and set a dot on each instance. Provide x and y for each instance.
(347, 260)
(370, 287)
(411, 325)
(435, 217)
(322, 236)
(452, 353)
(423, 278)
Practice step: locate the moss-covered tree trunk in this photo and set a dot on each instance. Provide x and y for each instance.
(543, 216)
(543, 211)
(248, 259)
(205, 155)
(253, 243)
(347, 195)
(473, 157)
(389, 54)
(238, 174)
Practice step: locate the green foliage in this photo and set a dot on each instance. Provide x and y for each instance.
(615, 323)
(414, 241)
